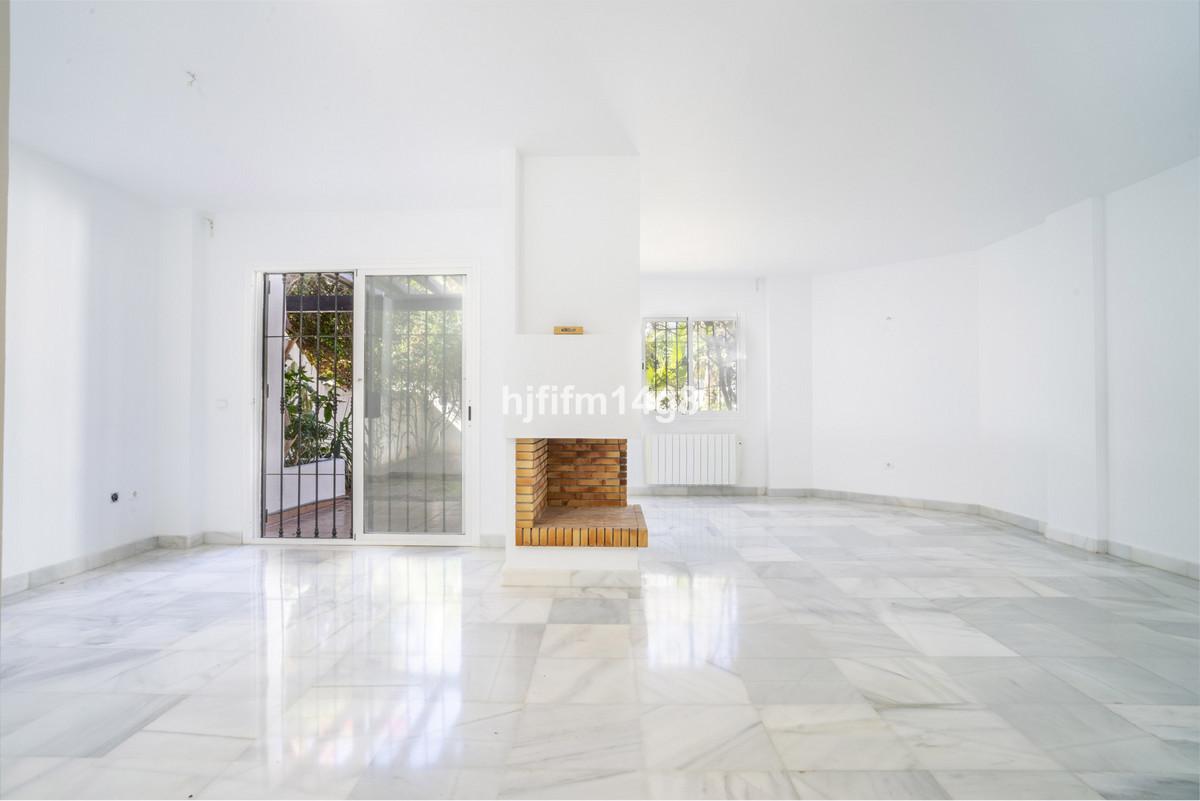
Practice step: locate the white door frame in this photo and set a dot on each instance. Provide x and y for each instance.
(470, 478)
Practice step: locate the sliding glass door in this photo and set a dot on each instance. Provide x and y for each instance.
(414, 407)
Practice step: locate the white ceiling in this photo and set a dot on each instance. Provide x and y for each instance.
(773, 135)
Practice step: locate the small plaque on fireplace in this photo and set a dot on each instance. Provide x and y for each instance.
(568, 329)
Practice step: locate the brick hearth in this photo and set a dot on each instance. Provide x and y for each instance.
(573, 492)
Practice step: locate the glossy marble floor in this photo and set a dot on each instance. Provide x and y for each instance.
(776, 648)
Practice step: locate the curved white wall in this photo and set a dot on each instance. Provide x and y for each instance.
(1054, 374)
(1041, 361)
(1153, 259)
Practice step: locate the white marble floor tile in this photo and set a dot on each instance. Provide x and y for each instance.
(935, 632)
(1183, 672)
(1009, 680)
(861, 640)
(1014, 784)
(575, 640)
(1042, 639)
(721, 784)
(502, 609)
(581, 737)
(796, 681)
(66, 669)
(695, 737)
(150, 745)
(496, 639)
(400, 782)
(1117, 681)
(981, 587)
(106, 778)
(1135, 640)
(703, 683)
(217, 716)
(872, 784)
(293, 779)
(967, 657)
(776, 641)
(835, 737)
(831, 610)
(172, 672)
(1091, 737)
(1179, 723)
(582, 681)
(550, 783)
(435, 752)
(589, 611)
(902, 681)
(768, 553)
(87, 725)
(1143, 785)
(962, 737)
(874, 587)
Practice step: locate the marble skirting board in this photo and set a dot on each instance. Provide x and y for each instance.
(1120, 550)
(80, 564)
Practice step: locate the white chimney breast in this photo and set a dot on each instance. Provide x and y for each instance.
(578, 265)
(579, 245)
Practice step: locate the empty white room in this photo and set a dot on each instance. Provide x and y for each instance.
(610, 399)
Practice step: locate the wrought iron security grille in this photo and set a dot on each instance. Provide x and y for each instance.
(307, 426)
(665, 360)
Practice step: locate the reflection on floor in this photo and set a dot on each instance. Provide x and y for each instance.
(776, 648)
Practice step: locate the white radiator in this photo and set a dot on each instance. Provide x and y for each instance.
(696, 459)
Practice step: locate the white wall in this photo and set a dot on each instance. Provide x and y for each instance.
(699, 297)
(1074, 400)
(4, 81)
(81, 357)
(183, 238)
(789, 383)
(1014, 325)
(895, 377)
(1153, 259)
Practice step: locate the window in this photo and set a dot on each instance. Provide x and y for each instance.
(691, 364)
(714, 364)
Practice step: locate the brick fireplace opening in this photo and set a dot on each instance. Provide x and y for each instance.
(572, 492)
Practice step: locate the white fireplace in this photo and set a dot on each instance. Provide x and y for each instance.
(578, 265)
